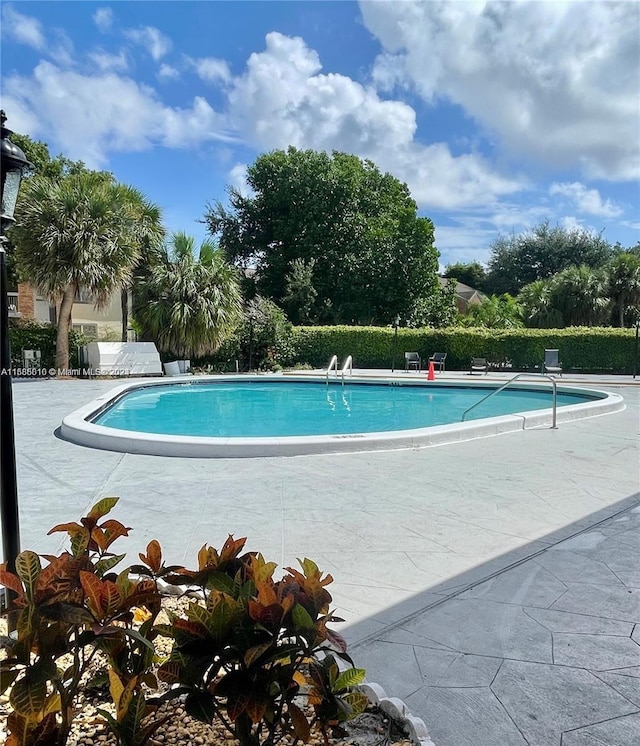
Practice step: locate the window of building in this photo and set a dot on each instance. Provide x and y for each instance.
(90, 331)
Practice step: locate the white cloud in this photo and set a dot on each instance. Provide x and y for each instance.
(211, 69)
(634, 224)
(29, 31)
(388, 72)
(283, 99)
(130, 117)
(103, 18)
(105, 61)
(570, 223)
(166, 72)
(238, 179)
(23, 29)
(586, 200)
(152, 39)
(557, 82)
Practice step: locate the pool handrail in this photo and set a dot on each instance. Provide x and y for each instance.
(508, 383)
(348, 365)
(333, 364)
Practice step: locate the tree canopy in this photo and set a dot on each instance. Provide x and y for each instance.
(42, 164)
(80, 231)
(331, 233)
(538, 254)
(473, 274)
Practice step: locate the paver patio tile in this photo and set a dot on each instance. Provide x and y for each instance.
(615, 603)
(629, 537)
(471, 671)
(628, 686)
(583, 542)
(577, 568)
(465, 717)
(544, 701)
(566, 621)
(594, 652)
(633, 671)
(404, 637)
(623, 731)
(616, 555)
(413, 668)
(528, 584)
(484, 627)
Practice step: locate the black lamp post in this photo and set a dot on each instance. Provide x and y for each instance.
(396, 324)
(13, 164)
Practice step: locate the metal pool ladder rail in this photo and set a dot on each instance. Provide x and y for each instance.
(348, 366)
(508, 383)
(333, 364)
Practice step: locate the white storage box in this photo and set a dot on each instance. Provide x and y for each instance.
(123, 359)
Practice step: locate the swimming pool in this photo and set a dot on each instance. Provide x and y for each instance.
(284, 415)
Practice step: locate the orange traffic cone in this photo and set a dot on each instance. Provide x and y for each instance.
(431, 375)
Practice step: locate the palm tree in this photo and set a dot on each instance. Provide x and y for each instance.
(189, 305)
(623, 282)
(536, 301)
(495, 312)
(579, 293)
(81, 231)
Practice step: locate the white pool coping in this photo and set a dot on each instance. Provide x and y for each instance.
(77, 428)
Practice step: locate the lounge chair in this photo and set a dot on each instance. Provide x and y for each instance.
(438, 359)
(411, 360)
(552, 363)
(479, 365)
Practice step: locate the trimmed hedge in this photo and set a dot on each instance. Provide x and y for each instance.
(32, 335)
(585, 349)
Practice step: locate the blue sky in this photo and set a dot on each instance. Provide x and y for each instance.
(498, 115)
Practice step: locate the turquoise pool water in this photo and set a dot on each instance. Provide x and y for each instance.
(286, 408)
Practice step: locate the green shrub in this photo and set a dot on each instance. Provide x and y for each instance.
(263, 341)
(586, 349)
(245, 652)
(33, 335)
(66, 611)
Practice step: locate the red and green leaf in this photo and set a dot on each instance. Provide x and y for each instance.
(153, 557)
(102, 507)
(93, 588)
(28, 568)
(11, 581)
(300, 723)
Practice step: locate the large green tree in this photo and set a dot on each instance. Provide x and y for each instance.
(189, 305)
(373, 257)
(473, 274)
(42, 163)
(81, 230)
(538, 254)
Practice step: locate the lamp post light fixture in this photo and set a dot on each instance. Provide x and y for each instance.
(13, 165)
(396, 324)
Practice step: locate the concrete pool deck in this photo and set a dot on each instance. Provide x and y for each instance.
(455, 567)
